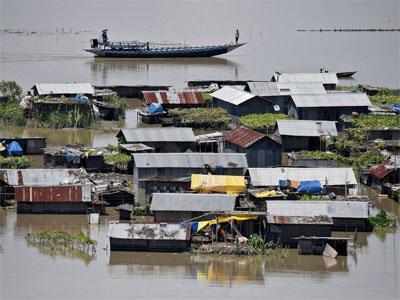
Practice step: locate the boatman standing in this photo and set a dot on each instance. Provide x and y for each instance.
(237, 36)
(104, 37)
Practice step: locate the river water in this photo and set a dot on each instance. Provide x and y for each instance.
(43, 42)
(372, 271)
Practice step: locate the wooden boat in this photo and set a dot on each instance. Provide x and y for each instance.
(160, 237)
(138, 49)
(345, 74)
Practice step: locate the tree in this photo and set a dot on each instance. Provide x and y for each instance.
(10, 89)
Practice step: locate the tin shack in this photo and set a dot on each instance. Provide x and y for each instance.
(341, 181)
(279, 92)
(328, 107)
(297, 135)
(165, 139)
(63, 89)
(329, 80)
(346, 215)
(239, 103)
(171, 172)
(179, 207)
(260, 150)
(49, 190)
(176, 99)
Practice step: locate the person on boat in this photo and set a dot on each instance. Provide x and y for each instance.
(237, 36)
(104, 36)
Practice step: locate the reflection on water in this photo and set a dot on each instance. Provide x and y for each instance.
(104, 70)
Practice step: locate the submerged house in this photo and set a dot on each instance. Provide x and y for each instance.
(346, 215)
(260, 150)
(239, 103)
(284, 230)
(337, 180)
(49, 190)
(179, 207)
(175, 99)
(329, 106)
(386, 173)
(279, 92)
(63, 89)
(328, 80)
(296, 135)
(165, 139)
(171, 172)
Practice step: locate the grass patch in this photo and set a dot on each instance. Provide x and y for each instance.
(259, 121)
(202, 117)
(14, 162)
(376, 122)
(385, 96)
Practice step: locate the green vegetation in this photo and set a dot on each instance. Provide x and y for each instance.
(376, 122)
(60, 119)
(382, 221)
(309, 197)
(325, 156)
(259, 121)
(11, 114)
(116, 101)
(11, 89)
(201, 117)
(117, 159)
(367, 159)
(385, 96)
(54, 242)
(14, 162)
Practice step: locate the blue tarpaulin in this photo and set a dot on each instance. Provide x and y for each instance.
(309, 187)
(155, 108)
(81, 99)
(396, 108)
(14, 148)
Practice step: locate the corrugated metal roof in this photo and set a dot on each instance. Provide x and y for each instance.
(243, 137)
(333, 209)
(265, 88)
(64, 88)
(382, 170)
(41, 177)
(159, 134)
(325, 78)
(271, 176)
(232, 95)
(190, 160)
(192, 202)
(306, 128)
(185, 97)
(331, 100)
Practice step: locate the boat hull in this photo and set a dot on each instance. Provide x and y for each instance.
(345, 74)
(120, 244)
(165, 52)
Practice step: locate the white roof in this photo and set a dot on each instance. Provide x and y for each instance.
(325, 78)
(331, 100)
(157, 134)
(42, 177)
(232, 95)
(333, 209)
(260, 177)
(307, 128)
(266, 88)
(64, 88)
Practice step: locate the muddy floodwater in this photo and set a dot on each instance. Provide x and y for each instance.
(371, 271)
(44, 43)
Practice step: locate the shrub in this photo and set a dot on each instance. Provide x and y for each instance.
(12, 114)
(17, 162)
(257, 121)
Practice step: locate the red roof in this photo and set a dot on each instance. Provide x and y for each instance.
(184, 97)
(243, 137)
(381, 171)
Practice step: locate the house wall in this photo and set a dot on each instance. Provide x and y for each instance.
(257, 105)
(48, 207)
(324, 113)
(284, 233)
(298, 143)
(174, 216)
(264, 153)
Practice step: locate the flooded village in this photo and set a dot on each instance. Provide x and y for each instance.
(285, 184)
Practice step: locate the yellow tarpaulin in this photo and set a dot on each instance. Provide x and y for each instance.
(218, 183)
(266, 194)
(224, 219)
